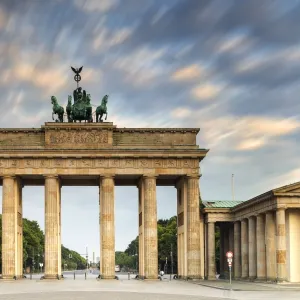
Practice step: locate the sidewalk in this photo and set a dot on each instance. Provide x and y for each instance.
(246, 286)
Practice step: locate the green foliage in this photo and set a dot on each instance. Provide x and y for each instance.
(167, 239)
(33, 248)
(124, 260)
(71, 260)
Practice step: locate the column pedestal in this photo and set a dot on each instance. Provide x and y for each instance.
(52, 228)
(107, 228)
(12, 230)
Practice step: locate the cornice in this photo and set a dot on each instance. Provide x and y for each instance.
(157, 130)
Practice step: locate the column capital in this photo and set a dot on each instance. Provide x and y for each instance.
(12, 176)
(280, 208)
(146, 176)
(48, 176)
(193, 176)
(105, 176)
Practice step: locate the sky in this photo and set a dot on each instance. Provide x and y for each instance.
(230, 68)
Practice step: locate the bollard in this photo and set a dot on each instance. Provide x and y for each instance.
(74, 275)
(128, 276)
(30, 276)
(85, 275)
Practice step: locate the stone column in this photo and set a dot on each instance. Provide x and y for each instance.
(261, 247)
(237, 250)
(150, 228)
(12, 233)
(222, 253)
(107, 227)
(141, 230)
(244, 246)
(193, 228)
(211, 251)
(181, 225)
(225, 250)
(52, 228)
(202, 275)
(271, 246)
(281, 245)
(252, 247)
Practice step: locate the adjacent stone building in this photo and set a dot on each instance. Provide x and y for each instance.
(263, 233)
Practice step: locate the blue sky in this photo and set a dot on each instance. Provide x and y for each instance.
(231, 68)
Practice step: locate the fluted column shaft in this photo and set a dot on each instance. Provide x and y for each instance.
(193, 228)
(237, 250)
(281, 245)
(211, 251)
(252, 247)
(150, 229)
(107, 228)
(12, 235)
(245, 248)
(271, 246)
(261, 247)
(52, 228)
(141, 230)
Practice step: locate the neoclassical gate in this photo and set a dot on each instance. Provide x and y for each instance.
(103, 155)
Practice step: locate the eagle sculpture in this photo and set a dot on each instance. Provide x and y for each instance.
(77, 71)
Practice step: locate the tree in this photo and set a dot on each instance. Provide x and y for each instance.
(33, 248)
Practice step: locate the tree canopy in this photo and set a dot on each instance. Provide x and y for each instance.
(33, 248)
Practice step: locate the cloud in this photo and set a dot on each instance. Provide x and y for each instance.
(141, 66)
(104, 39)
(102, 6)
(181, 112)
(187, 73)
(206, 91)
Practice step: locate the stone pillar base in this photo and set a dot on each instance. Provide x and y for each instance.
(211, 278)
(108, 277)
(260, 279)
(244, 278)
(271, 279)
(252, 278)
(55, 277)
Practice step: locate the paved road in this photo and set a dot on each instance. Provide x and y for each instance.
(130, 290)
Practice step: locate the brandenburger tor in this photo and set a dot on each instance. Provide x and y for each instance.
(263, 233)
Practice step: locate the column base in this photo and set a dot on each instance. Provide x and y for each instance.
(281, 280)
(211, 278)
(251, 278)
(9, 277)
(108, 277)
(271, 279)
(260, 279)
(245, 278)
(52, 277)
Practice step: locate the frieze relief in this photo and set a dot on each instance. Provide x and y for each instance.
(123, 163)
(75, 137)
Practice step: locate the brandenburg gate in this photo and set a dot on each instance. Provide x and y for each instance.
(100, 154)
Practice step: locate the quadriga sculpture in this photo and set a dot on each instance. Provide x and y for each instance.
(102, 109)
(57, 109)
(81, 110)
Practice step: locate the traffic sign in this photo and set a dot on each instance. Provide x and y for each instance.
(229, 254)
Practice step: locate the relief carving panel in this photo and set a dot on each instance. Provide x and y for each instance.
(76, 138)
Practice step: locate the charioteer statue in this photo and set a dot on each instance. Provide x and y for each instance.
(81, 109)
